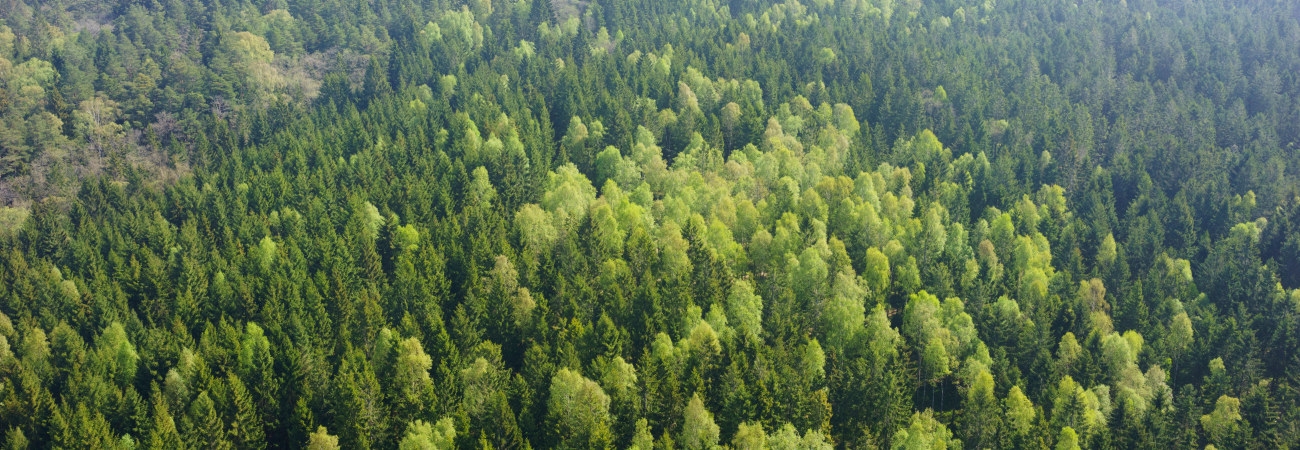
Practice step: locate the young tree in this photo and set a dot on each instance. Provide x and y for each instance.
(924, 433)
(1020, 413)
(322, 440)
(699, 432)
(579, 409)
(1068, 439)
(421, 435)
(460, 33)
(118, 354)
(745, 310)
(411, 376)
(749, 436)
(980, 406)
(642, 439)
(1222, 423)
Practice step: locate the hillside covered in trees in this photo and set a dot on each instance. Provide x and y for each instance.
(649, 224)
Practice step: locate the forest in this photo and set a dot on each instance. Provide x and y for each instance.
(650, 224)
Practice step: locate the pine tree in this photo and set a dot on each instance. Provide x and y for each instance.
(246, 431)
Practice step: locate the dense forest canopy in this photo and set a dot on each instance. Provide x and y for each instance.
(656, 224)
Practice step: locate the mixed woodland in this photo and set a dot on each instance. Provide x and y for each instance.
(649, 224)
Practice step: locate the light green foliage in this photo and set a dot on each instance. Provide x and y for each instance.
(702, 340)
(808, 273)
(568, 194)
(1035, 271)
(745, 310)
(687, 100)
(421, 435)
(1180, 333)
(702, 90)
(1026, 215)
(814, 360)
(1106, 254)
(7, 37)
(940, 93)
(1007, 312)
(176, 382)
(255, 350)
(574, 139)
(980, 406)
(935, 361)
(934, 237)
(482, 9)
(619, 378)
(908, 275)
(252, 57)
(266, 250)
(371, 218)
(537, 231)
(927, 148)
(642, 439)
(385, 341)
(417, 104)
(1092, 293)
(1082, 409)
(481, 191)
(505, 285)
(921, 319)
(699, 432)
(1179, 269)
(1068, 351)
(117, 354)
(845, 120)
(721, 240)
(525, 49)
(1135, 391)
(610, 165)
(406, 238)
(95, 120)
(36, 351)
(877, 273)
(699, 155)
(787, 438)
(322, 440)
(731, 115)
(1019, 412)
(431, 34)
(960, 326)
(164, 433)
(447, 84)
(826, 55)
(411, 371)
(460, 33)
(749, 436)
(33, 72)
(815, 440)
(924, 433)
(481, 379)
(1224, 420)
(1068, 439)
(579, 409)
(608, 236)
(16, 439)
(565, 29)
(845, 310)
(882, 339)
